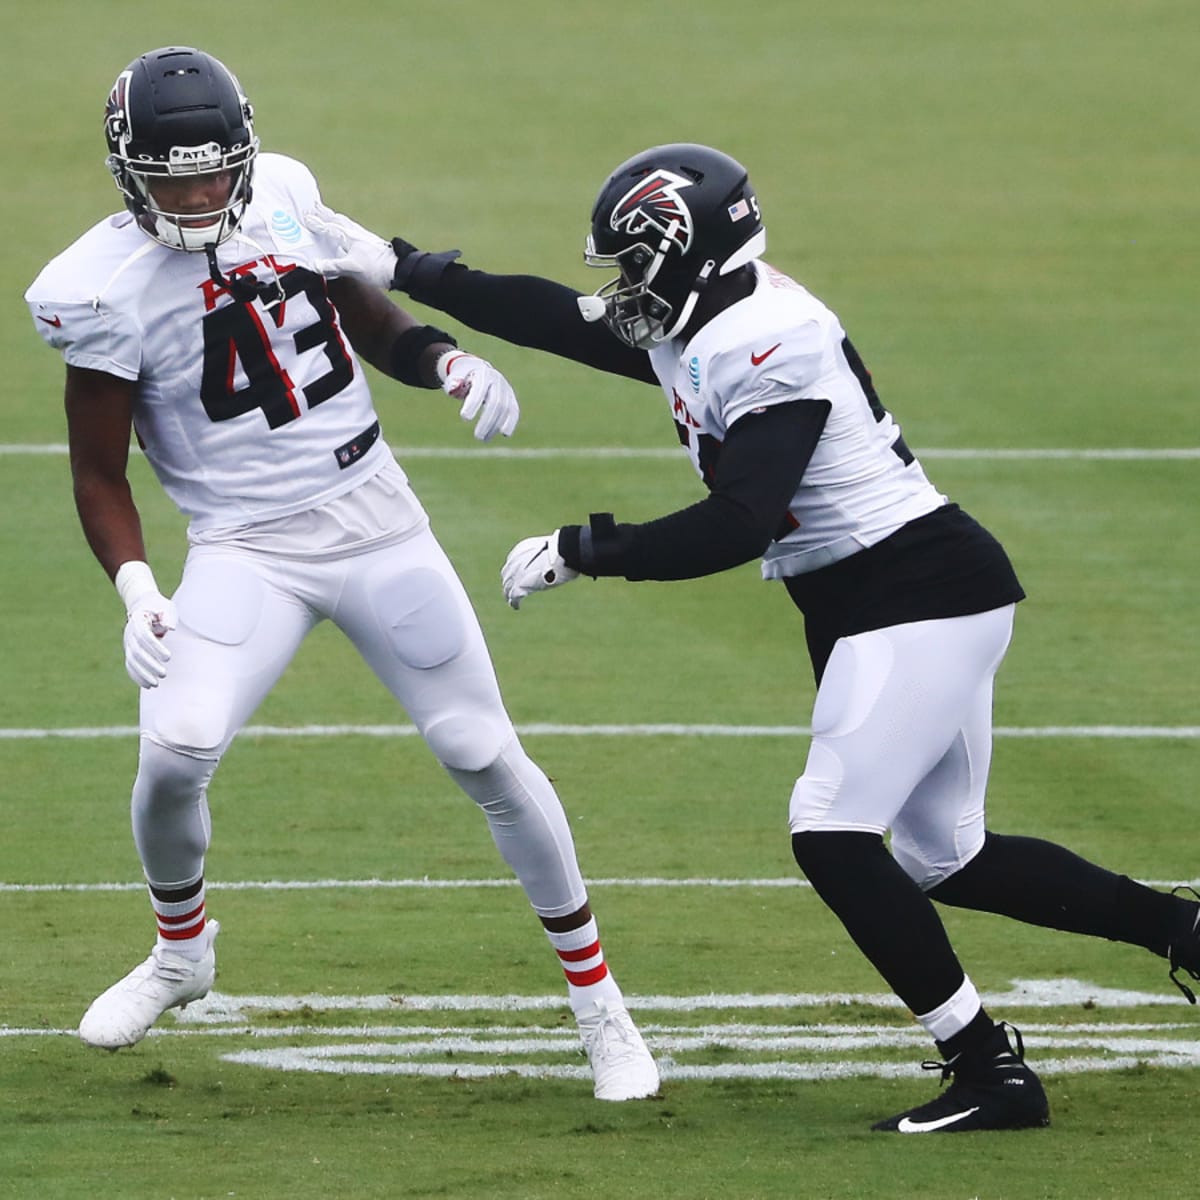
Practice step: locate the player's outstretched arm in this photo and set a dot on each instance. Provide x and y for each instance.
(395, 343)
(526, 310)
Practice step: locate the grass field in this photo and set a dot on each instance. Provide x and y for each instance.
(999, 201)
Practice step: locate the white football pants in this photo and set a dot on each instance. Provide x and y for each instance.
(242, 617)
(902, 740)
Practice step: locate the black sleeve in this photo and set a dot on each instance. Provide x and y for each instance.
(523, 309)
(760, 465)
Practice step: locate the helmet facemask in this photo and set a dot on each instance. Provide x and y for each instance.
(190, 231)
(637, 312)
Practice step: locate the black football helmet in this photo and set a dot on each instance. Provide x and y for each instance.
(178, 112)
(668, 219)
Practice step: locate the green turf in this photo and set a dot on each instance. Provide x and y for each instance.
(998, 200)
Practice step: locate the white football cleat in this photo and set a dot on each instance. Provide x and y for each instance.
(621, 1064)
(122, 1015)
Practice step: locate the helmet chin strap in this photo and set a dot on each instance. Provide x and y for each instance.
(689, 305)
(243, 288)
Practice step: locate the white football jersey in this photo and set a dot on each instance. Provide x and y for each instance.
(246, 411)
(778, 345)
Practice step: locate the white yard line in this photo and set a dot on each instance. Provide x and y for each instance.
(546, 729)
(434, 885)
(1082, 453)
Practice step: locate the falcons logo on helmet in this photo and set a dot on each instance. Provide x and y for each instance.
(115, 120)
(654, 203)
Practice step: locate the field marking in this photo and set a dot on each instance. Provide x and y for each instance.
(397, 1058)
(220, 1008)
(1125, 453)
(539, 729)
(422, 884)
(849, 1035)
(425, 883)
(759, 1049)
(398, 1053)
(864, 1035)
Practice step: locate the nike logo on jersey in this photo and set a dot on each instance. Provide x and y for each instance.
(909, 1126)
(56, 321)
(757, 360)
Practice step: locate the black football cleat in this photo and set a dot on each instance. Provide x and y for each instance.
(991, 1090)
(1184, 951)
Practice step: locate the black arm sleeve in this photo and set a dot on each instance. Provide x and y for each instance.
(761, 462)
(524, 309)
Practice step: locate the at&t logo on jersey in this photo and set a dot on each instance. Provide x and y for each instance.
(655, 203)
(285, 227)
(694, 374)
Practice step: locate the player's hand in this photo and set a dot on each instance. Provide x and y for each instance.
(151, 617)
(362, 255)
(484, 393)
(533, 565)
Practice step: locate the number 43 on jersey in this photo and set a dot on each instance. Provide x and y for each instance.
(253, 336)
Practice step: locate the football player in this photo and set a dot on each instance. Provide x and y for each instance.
(196, 319)
(907, 601)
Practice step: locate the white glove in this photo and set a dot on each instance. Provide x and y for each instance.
(483, 391)
(364, 255)
(150, 616)
(533, 565)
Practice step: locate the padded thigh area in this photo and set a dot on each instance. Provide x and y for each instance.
(420, 614)
(902, 734)
(237, 632)
(222, 603)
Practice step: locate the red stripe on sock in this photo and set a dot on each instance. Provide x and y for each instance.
(586, 978)
(177, 934)
(182, 919)
(579, 955)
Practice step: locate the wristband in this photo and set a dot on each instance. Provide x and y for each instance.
(570, 546)
(133, 580)
(404, 360)
(604, 546)
(418, 270)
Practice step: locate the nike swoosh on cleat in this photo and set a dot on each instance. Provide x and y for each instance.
(907, 1126)
(56, 321)
(757, 360)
